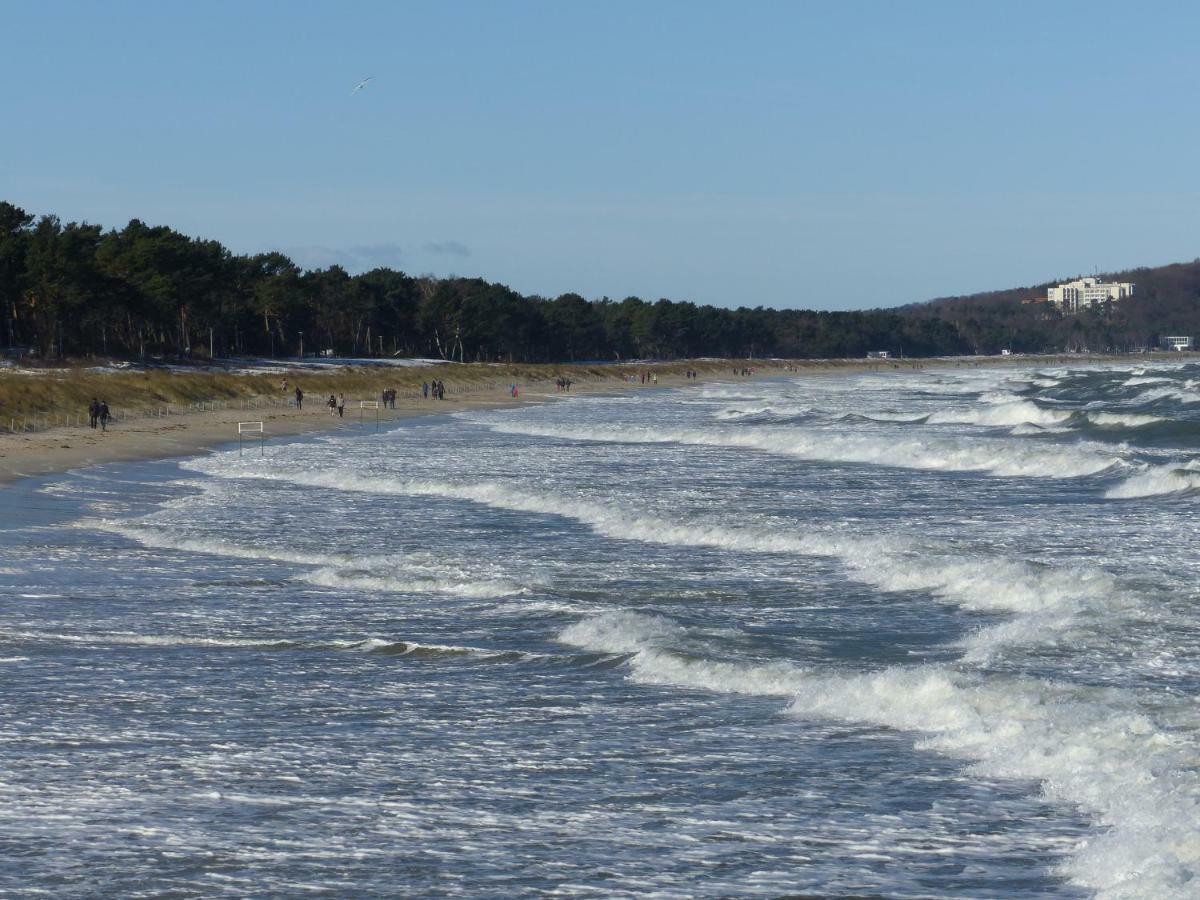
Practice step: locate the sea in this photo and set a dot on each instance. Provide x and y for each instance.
(908, 632)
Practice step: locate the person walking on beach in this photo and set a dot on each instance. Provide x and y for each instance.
(332, 404)
(93, 412)
(299, 399)
(104, 415)
(424, 390)
(341, 401)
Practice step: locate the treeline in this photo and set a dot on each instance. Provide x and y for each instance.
(77, 290)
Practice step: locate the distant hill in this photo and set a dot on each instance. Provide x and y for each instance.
(1166, 300)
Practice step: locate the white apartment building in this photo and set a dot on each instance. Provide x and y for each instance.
(1175, 342)
(1087, 292)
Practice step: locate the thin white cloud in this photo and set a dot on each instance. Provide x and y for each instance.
(447, 248)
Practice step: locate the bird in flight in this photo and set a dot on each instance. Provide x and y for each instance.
(362, 84)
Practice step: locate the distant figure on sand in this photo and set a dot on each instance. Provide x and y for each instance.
(332, 404)
(341, 404)
(104, 415)
(299, 399)
(424, 390)
(93, 412)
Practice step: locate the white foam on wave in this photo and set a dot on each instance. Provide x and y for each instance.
(1001, 415)
(416, 649)
(160, 539)
(735, 413)
(390, 646)
(995, 456)
(1139, 380)
(1158, 480)
(1122, 420)
(890, 564)
(407, 582)
(1167, 393)
(1088, 747)
(1027, 429)
(130, 639)
(345, 570)
(902, 418)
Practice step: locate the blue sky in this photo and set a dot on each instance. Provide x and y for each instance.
(800, 154)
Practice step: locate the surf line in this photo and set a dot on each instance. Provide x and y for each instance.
(1044, 599)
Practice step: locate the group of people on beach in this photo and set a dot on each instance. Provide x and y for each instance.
(562, 384)
(98, 414)
(337, 402)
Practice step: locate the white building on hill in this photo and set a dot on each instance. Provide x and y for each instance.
(1087, 292)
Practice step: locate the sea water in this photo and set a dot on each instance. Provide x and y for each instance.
(915, 632)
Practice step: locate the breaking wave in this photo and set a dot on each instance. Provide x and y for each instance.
(1122, 420)
(1002, 415)
(345, 570)
(1156, 481)
(1088, 747)
(994, 456)
(889, 564)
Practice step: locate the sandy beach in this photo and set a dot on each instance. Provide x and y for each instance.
(189, 432)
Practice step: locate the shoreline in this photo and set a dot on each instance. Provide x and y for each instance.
(65, 448)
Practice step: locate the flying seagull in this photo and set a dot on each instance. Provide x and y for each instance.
(362, 84)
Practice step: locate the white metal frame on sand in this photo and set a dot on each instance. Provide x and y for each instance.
(245, 428)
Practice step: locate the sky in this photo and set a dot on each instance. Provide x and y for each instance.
(817, 155)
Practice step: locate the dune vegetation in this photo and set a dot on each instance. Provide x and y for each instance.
(61, 392)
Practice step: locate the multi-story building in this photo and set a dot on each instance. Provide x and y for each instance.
(1175, 342)
(1086, 293)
